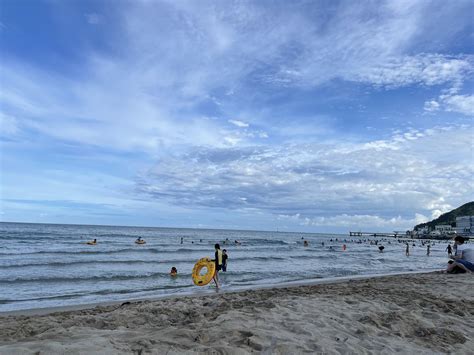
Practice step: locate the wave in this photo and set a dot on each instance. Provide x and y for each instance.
(122, 277)
(131, 262)
(95, 293)
(138, 249)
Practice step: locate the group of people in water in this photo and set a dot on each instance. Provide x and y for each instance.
(375, 242)
(461, 254)
(139, 240)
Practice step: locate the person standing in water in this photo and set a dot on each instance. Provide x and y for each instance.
(428, 250)
(450, 250)
(224, 260)
(218, 260)
(407, 250)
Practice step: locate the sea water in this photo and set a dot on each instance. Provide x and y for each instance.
(45, 265)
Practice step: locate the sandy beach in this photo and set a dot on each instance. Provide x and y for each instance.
(417, 313)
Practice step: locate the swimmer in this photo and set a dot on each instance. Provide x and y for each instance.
(173, 272)
(305, 243)
(381, 248)
(344, 247)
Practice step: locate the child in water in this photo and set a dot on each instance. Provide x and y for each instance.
(173, 272)
(224, 260)
(449, 250)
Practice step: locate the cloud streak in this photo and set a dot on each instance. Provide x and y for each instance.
(152, 95)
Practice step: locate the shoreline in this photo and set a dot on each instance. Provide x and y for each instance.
(426, 313)
(298, 283)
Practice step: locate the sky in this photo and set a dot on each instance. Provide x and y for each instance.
(311, 116)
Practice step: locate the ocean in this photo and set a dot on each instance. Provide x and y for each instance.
(46, 265)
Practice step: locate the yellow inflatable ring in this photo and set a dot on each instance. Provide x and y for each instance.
(140, 242)
(202, 280)
(91, 243)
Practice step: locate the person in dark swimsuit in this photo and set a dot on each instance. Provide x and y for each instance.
(224, 260)
(450, 250)
(218, 260)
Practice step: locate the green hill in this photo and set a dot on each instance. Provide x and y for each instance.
(449, 217)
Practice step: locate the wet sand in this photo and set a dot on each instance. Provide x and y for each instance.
(414, 313)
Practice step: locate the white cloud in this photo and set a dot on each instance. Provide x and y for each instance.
(358, 222)
(459, 103)
(156, 88)
(239, 123)
(147, 97)
(431, 106)
(407, 173)
(425, 69)
(452, 103)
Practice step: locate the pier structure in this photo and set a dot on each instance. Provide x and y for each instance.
(378, 234)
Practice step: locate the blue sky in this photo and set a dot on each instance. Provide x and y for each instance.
(305, 115)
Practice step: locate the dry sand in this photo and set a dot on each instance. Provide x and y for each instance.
(409, 314)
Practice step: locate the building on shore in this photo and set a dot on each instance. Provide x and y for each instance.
(444, 229)
(465, 225)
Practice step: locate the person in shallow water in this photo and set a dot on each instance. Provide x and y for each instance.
(224, 260)
(218, 261)
(407, 250)
(449, 250)
(381, 248)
